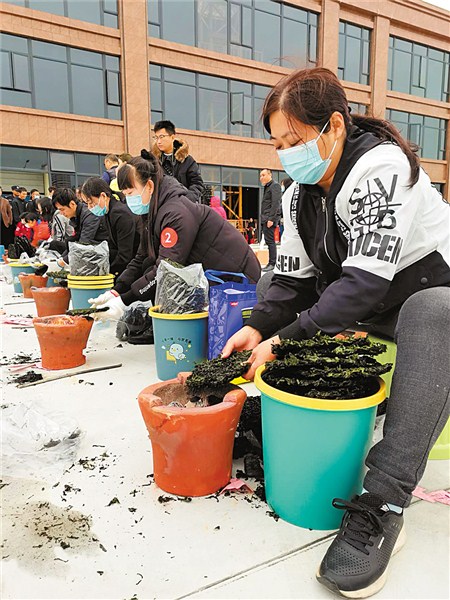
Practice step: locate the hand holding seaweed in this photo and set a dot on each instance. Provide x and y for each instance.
(215, 374)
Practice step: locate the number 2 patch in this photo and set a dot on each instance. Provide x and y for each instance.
(169, 237)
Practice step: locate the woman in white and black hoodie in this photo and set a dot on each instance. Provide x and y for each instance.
(366, 244)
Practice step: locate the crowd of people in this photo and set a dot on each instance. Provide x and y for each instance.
(365, 246)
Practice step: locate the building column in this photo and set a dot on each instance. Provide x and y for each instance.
(379, 60)
(329, 35)
(135, 75)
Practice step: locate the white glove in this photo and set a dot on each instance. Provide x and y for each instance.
(115, 310)
(102, 299)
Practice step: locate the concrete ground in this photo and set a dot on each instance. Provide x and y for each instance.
(86, 521)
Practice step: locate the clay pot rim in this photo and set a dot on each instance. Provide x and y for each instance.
(230, 399)
(39, 322)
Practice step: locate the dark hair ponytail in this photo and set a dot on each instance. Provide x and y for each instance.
(143, 168)
(94, 186)
(312, 95)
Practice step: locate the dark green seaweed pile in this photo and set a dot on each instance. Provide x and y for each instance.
(216, 373)
(176, 296)
(326, 367)
(57, 274)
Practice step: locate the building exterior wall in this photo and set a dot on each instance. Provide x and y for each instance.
(412, 20)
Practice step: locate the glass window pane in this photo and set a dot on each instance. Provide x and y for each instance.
(434, 88)
(352, 59)
(210, 173)
(267, 37)
(14, 98)
(212, 25)
(237, 176)
(240, 86)
(114, 112)
(113, 88)
(155, 72)
(430, 147)
(213, 83)
(51, 51)
(213, 111)
(403, 45)
(295, 13)
(79, 10)
(246, 26)
(5, 72)
(110, 6)
(401, 77)
(235, 24)
(83, 57)
(13, 43)
(155, 94)
(269, 6)
(62, 161)
(87, 163)
(51, 85)
(178, 21)
(110, 20)
(153, 11)
(21, 72)
(156, 116)
(179, 76)
(88, 99)
(181, 113)
(112, 62)
(295, 44)
(14, 157)
(52, 6)
(241, 51)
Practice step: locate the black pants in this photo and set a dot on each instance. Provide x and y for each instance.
(269, 237)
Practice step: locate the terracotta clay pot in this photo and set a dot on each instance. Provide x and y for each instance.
(51, 300)
(27, 280)
(192, 447)
(62, 340)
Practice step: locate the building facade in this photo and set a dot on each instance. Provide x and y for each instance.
(83, 79)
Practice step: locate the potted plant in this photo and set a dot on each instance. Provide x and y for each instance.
(319, 399)
(191, 423)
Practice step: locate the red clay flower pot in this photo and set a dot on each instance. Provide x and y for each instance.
(27, 280)
(192, 447)
(51, 300)
(62, 340)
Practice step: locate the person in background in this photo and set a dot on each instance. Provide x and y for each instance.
(31, 222)
(173, 154)
(124, 158)
(19, 204)
(21, 229)
(78, 193)
(14, 192)
(31, 205)
(7, 226)
(51, 191)
(366, 246)
(89, 229)
(216, 205)
(250, 232)
(111, 163)
(270, 208)
(175, 229)
(120, 222)
(42, 229)
(60, 227)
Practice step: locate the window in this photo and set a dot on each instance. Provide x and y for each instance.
(59, 78)
(263, 30)
(100, 12)
(418, 70)
(358, 109)
(439, 187)
(209, 103)
(427, 132)
(354, 52)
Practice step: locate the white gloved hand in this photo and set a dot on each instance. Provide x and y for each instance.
(115, 310)
(102, 299)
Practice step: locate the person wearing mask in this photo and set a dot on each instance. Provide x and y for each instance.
(216, 205)
(270, 208)
(7, 226)
(173, 153)
(366, 245)
(175, 229)
(111, 163)
(89, 229)
(121, 223)
(19, 204)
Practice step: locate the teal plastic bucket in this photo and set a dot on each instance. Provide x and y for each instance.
(16, 270)
(181, 341)
(80, 296)
(314, 451)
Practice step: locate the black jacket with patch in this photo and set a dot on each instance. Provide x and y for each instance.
(186, 233)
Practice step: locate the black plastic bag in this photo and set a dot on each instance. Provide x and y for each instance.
(136, 326)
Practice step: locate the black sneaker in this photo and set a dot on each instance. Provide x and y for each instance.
(356, 563)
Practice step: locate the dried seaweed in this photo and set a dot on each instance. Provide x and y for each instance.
(326, 367)
(85, 312)
(217, 373)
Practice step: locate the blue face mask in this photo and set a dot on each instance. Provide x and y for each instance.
(98, 211)
(136, 206)
(303, 162)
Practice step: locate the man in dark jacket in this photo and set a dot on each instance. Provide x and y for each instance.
(89, 229)
(18, 203)
(270, 213)
(173, 153)
(111, 163)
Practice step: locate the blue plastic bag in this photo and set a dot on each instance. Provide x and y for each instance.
(231, 298)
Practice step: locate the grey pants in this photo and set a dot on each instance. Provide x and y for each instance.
(419, 404)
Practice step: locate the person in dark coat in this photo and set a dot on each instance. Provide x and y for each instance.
(6, 221)
(120, 223)
(89, 229)
(19, 204)
(111, 163)
(176, 229)
(173, 153)
(270, 213)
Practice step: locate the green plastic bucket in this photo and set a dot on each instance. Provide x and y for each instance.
(83, 288)
(181, 341)
(314, 451)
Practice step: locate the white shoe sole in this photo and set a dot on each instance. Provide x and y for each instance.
(377, 585)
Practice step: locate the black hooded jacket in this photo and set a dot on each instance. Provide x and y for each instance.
(186, 233)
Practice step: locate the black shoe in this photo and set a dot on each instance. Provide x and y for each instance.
(267, 268)
(356, 563)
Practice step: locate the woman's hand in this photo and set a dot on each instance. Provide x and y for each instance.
(246, 338)
(260, 355)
